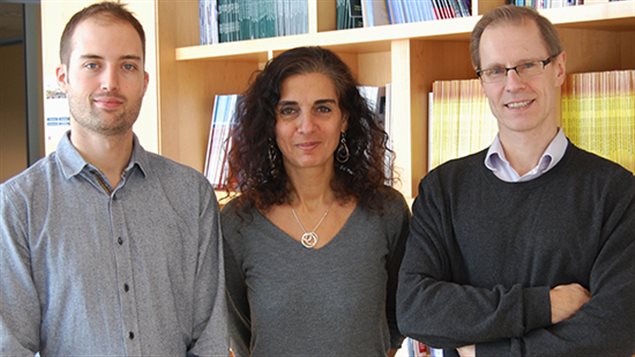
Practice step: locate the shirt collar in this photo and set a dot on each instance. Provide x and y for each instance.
(496, 161)
(495, 155)
(555, 150)
(139, 157)
(72, 162)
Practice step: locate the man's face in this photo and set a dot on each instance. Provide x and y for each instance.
(104, 79)
(521, 105)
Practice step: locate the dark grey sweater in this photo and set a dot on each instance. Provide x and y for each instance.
(483, 254)
(339, 300)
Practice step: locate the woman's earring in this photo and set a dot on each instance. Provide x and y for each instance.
(342, 154)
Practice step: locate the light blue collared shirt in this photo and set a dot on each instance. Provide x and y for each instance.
(88, 269)
(496, 161)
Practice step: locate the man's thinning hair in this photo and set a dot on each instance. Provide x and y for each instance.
(510, 14)
(108, 10)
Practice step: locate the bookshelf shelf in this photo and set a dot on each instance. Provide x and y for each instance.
(617, 16)
(409, 56)
(359, 40)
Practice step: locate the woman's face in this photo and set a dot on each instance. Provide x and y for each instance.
(308, 121)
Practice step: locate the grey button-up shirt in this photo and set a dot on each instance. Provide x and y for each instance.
(86, 269)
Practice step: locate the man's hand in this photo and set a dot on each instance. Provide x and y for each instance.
(467, 351)
(566, 300)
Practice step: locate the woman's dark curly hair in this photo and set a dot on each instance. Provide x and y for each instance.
(258, 173)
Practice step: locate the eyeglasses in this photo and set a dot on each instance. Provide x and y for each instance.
(524, 70)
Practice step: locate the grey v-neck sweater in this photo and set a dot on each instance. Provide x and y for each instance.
(339, 300)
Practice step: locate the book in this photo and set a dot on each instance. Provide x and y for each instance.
(459, 120)
(378, 99)
(598, 114)
(240, 20)
(549, 4)
(349, 14)
(208, 21)
(374, 13)
(219, 142)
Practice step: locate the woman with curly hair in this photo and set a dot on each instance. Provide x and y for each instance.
(314, 240)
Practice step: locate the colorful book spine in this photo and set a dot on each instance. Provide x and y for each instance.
(239, 20)
(219, 142)
(208, 21)
(385, 12)
(598, 114)
(459, 121)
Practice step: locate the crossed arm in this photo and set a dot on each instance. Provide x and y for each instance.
(439, 304)
(565, 301)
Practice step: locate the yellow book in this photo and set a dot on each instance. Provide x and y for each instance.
(460, 122)
(598, 114)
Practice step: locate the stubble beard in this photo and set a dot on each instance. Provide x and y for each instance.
(103, 122)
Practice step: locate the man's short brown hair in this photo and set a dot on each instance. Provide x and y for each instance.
(109, 10)
(510, 14)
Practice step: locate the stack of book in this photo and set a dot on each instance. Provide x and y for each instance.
(459, 120)
(598, 114)
(237, 20)
(349, 14)
(208, 21)
(386, 12)
(219, 142)
(403, 11)
(548, 4)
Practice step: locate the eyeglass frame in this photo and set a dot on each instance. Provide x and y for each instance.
(544, 63)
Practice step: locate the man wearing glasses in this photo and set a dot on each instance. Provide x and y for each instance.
(526, 248)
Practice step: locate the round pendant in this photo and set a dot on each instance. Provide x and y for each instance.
(309, 239)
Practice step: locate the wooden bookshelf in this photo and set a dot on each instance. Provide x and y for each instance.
(597, 37)
(409, 56)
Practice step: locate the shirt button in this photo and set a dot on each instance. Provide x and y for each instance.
(131, 335)
(126, 287)
(120, 241)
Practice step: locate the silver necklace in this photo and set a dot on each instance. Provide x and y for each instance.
(309, 239)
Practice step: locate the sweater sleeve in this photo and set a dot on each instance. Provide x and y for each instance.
(605, 326)
(398, 232)
(435, 307)
(238, 304)
(210, 308)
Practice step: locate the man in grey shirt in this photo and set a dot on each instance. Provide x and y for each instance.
(106, 249)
